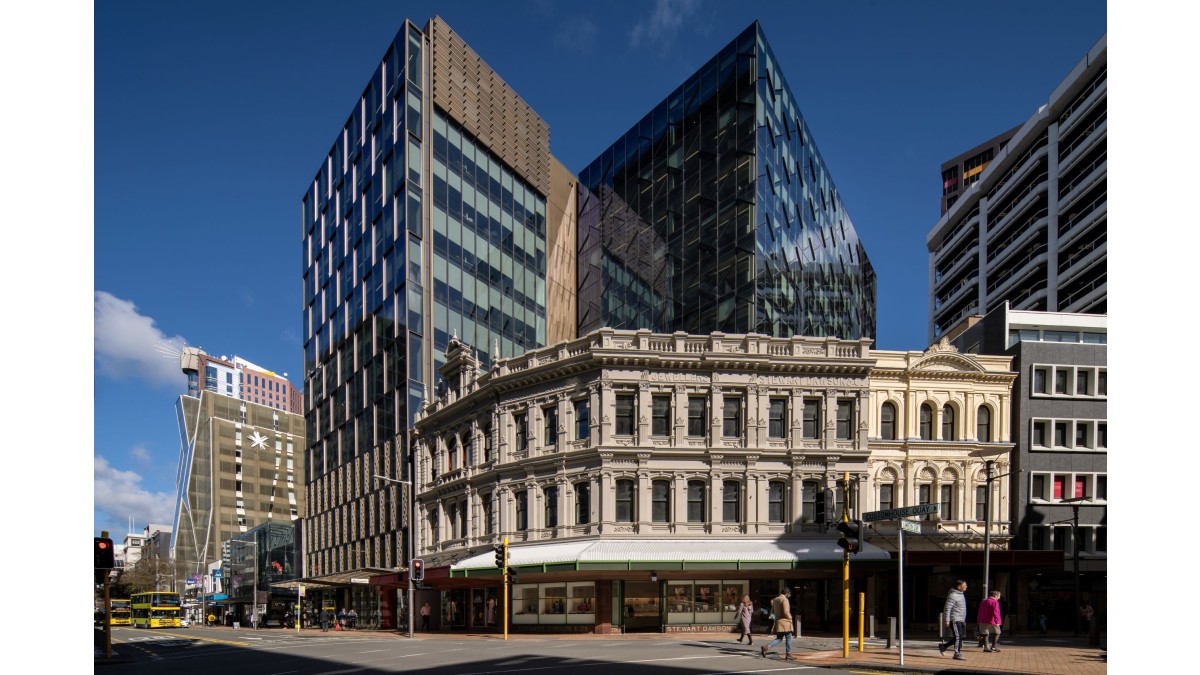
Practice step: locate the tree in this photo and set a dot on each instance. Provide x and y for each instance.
(151, 574)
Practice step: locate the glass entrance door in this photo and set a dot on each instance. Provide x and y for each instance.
(643, 606)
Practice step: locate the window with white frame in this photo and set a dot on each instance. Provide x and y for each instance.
(1069, 434)
(1049, 487)
(1069, 381)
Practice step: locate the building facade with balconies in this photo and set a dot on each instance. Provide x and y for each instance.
(1031, 228)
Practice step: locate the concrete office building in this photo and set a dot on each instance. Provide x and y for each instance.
(715, 211)
(240, 465)
(1032, 230)
(1060, 427)
(437, 212)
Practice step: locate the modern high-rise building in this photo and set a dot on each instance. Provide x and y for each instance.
(437, 213)
(1032, 230)
(239, 466)
(240, 379)
(715, 211)
(1059, 466)
(963, 171)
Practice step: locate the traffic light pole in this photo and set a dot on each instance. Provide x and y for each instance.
(107, 619)
(846, 574)
(505, 588)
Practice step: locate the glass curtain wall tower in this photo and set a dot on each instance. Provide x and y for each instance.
(716, 212)
(427, 219)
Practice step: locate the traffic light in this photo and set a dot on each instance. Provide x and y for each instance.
(501, 556)
(512, 575)
(102, 551)
(418, 569)
(852, 531)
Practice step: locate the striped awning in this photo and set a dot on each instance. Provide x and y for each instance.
(695, 553)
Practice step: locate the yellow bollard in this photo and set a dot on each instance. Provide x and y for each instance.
(861, 604)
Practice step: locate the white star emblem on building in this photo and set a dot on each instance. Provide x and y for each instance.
(259, 441)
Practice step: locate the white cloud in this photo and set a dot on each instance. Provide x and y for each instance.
(663, 23)
(119, 496)
(127, 343)
(140, 453)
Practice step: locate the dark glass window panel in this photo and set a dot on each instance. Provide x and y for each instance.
(624, 414)
(660, 511)
(695, 502)
(731, 500)
(925, 425)
(812, 418)
(845, 419)
(521, 422)
(522, 511)
(583, 503)
(582, 419)
(887, 421)
(983, 424)
(732, 417)
(696, 415)
(624, 501)
(661, 418)
(775, 506)
(777, 418)
(550, 425)
(947, 423)
(550, 494)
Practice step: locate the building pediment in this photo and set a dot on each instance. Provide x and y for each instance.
(945, 358)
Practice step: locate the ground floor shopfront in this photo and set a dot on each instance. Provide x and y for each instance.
(637, 586)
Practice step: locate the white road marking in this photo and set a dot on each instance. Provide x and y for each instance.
(606, 663)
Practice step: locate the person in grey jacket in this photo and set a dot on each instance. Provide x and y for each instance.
(955, 617)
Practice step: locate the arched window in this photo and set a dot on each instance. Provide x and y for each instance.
(947, 423)
(926, 422)
(983, 424)
(887, 421)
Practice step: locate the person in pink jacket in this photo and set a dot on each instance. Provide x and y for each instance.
(745, 613)
(989, 622)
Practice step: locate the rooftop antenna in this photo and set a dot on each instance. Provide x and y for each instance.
(169, 349)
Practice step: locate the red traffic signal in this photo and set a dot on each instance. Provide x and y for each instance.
(102, 553)
(418, 569)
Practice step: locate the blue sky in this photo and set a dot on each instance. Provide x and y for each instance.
(211, 117)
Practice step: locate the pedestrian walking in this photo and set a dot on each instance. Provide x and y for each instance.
(955, 613)
(1086, 614)
(341, 619)
(212, 619)
(352, 618)
(989, 622)
(781, 609)
(425, 610)
(745, 613)
(326, 615)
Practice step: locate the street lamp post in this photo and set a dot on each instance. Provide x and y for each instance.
(1075, 503)
(254, 588)
(989, 468)
(412, 505)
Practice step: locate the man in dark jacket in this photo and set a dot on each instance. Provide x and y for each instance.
(955, 616)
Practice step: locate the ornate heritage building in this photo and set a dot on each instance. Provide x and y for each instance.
(647, 481)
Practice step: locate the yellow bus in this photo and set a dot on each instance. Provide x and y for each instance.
(155, 610)
(120, 612)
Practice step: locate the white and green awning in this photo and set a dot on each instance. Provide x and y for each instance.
(665, 554)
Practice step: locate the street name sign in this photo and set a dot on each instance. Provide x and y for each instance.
(902, 512)
(910, 526)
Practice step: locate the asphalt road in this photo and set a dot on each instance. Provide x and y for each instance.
(200, 650)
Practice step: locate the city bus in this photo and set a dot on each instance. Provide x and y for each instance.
(155, 610)
(120, 612)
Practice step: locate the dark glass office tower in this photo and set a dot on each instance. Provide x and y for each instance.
(716, 212)
(428, 218)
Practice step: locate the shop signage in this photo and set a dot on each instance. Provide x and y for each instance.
(358, 580)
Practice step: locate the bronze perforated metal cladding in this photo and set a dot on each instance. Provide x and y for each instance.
(471, 93)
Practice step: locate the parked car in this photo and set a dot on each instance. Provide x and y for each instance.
(184, 622)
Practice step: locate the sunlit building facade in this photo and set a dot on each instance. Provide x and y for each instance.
(1032, 227)
(437, 213)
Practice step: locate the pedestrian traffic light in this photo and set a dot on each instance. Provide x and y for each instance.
(102, 551)
(418, 569)
(851, 535)
(501, 556)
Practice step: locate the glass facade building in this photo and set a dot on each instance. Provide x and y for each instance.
(427, 219)
(716, 212)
